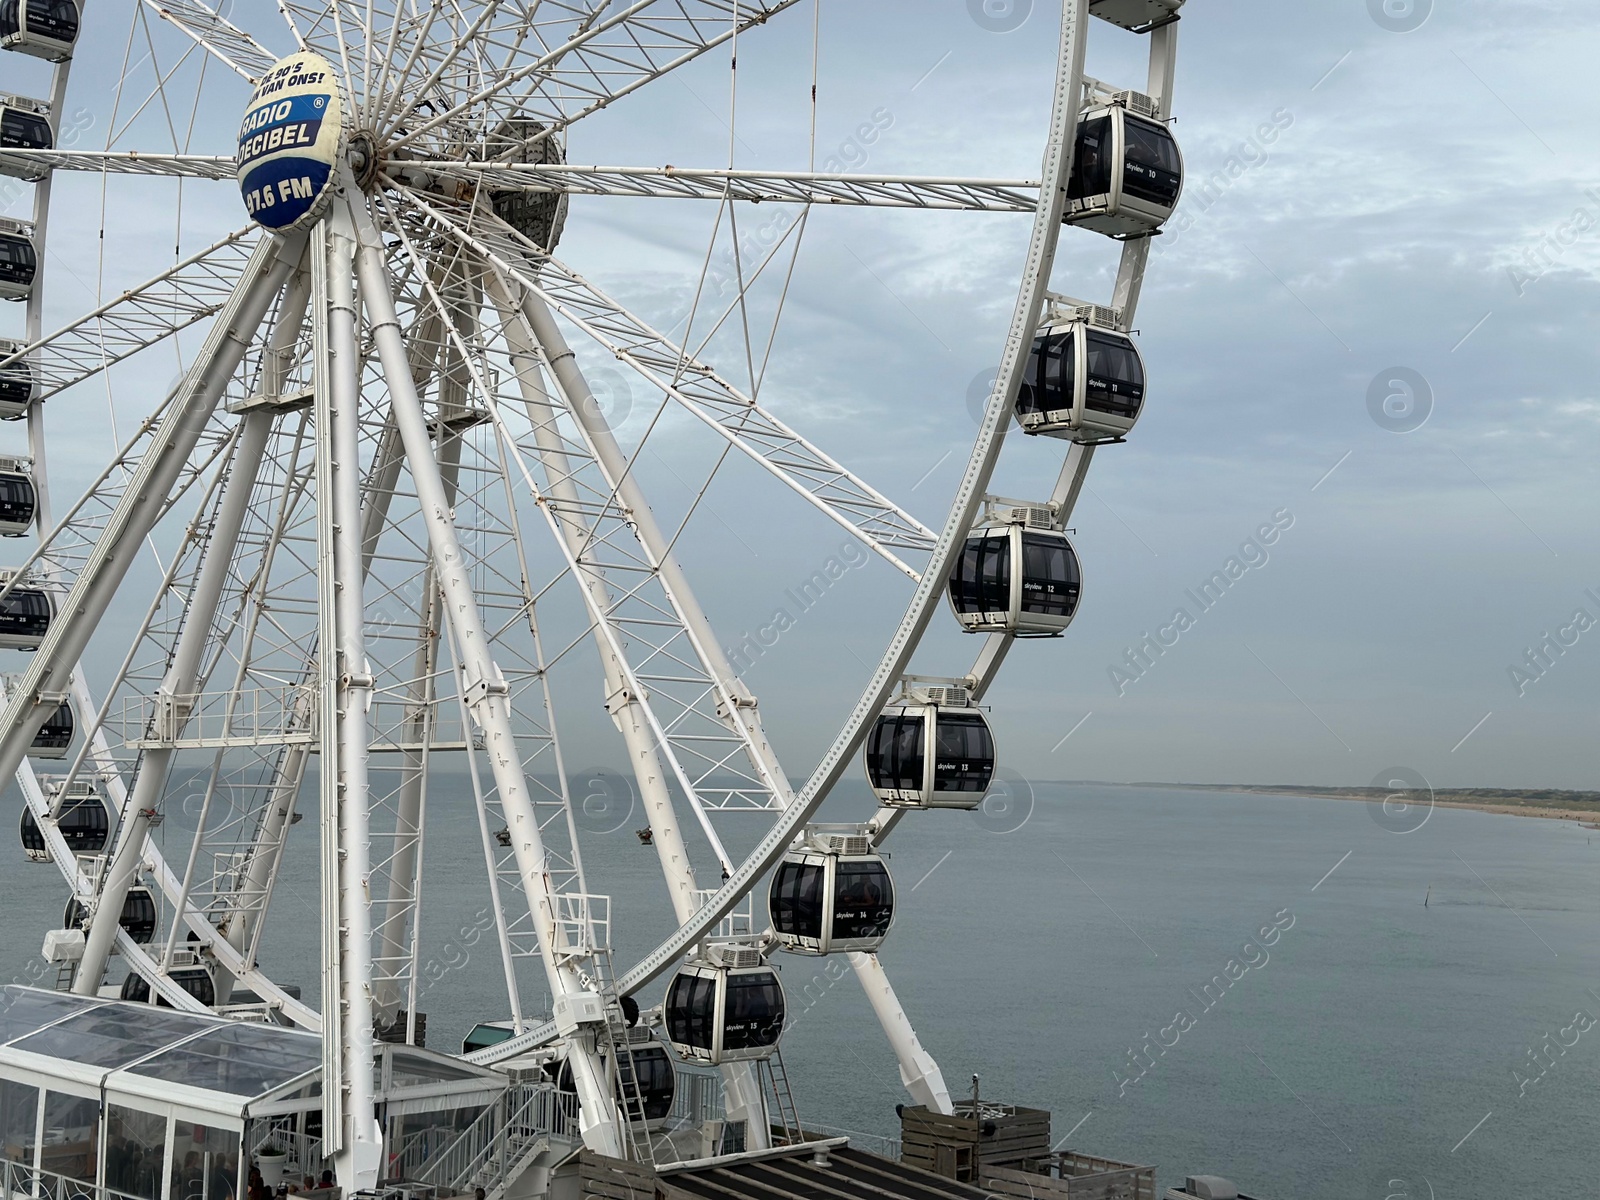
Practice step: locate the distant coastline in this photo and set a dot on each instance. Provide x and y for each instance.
(1551, 803)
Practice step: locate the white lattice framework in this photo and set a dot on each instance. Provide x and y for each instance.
(386, 515)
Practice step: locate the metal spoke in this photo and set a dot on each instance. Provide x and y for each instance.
(219, 37)
(831, 487)
(120, 162)
(140, 318)
(883, 191)
(591, 56)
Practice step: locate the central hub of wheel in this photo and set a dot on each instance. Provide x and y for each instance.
(290, 142)
(364, 158)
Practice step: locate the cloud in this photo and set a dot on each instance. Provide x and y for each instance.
(1413, 172)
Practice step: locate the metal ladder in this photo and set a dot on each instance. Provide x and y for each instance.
(783, 1098)
(618, 1050)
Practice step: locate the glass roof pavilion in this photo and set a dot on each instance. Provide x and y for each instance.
(117, 1099)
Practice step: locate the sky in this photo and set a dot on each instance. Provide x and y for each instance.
(1425, 211)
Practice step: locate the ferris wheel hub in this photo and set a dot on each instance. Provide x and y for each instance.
(291, 139)
(365, 160)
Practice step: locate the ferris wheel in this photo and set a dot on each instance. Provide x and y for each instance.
(394, 515)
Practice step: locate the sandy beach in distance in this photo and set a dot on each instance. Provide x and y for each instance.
(1583, 807)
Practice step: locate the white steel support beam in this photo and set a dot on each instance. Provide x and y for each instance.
(255, 888)
(918, 1072)
(611, 51)
(1057, 168)
(397, 927)
(741, 1084)
(175, 692)
(346, 689)
(626, 712)
(144, 499)
(485, 689)
(735, 699)
(175, 697)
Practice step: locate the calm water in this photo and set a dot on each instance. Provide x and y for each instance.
(1345, 1056)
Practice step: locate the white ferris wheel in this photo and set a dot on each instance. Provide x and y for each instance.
(383, 467)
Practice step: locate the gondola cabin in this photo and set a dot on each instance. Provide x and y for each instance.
(1140, 16)
(138, 918)
(55, 735)
(645, 1085)
(649, 1100)
(931, 749)
(194, 980)
(25, 613)
(1084, 381)
(83, 822)
(1018, 575)
(487, 1033)
(46, 29)
(19, 259)
(1127, 173)
(831, 895)
(538, 216)
(19, 381)
(727, 1007)
(19, 499)
(25, 125)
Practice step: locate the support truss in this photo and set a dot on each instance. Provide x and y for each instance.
(559, 61)
(835, 490)
(775, 187)
(218, 36)
(140, 318)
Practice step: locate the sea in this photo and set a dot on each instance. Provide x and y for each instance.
(1306, 996)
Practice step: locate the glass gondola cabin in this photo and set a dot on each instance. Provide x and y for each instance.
(487, 1033)
(19, 499)
(82, 821)
(25, 614)
(19, 259)
(1083, 381)
(720, 1014)
(46, 29)
(1127, 173)
(1020, 577)
(138, 915)
(648, 1101)
(655, 1086)
(935, 753)
(194, 980)
(824, 903)
(19, 382)
(25, 125)
(55, 735)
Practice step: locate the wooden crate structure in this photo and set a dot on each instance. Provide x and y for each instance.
(959, 1146)
(615, 1178)
(1072, 1176)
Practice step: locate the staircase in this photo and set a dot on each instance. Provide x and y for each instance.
(491, 1153)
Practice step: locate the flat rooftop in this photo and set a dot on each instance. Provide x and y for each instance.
(795, 1173)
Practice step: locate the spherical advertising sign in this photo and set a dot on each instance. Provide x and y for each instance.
(290, 142)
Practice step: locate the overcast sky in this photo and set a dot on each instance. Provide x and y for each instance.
(1429, 210)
